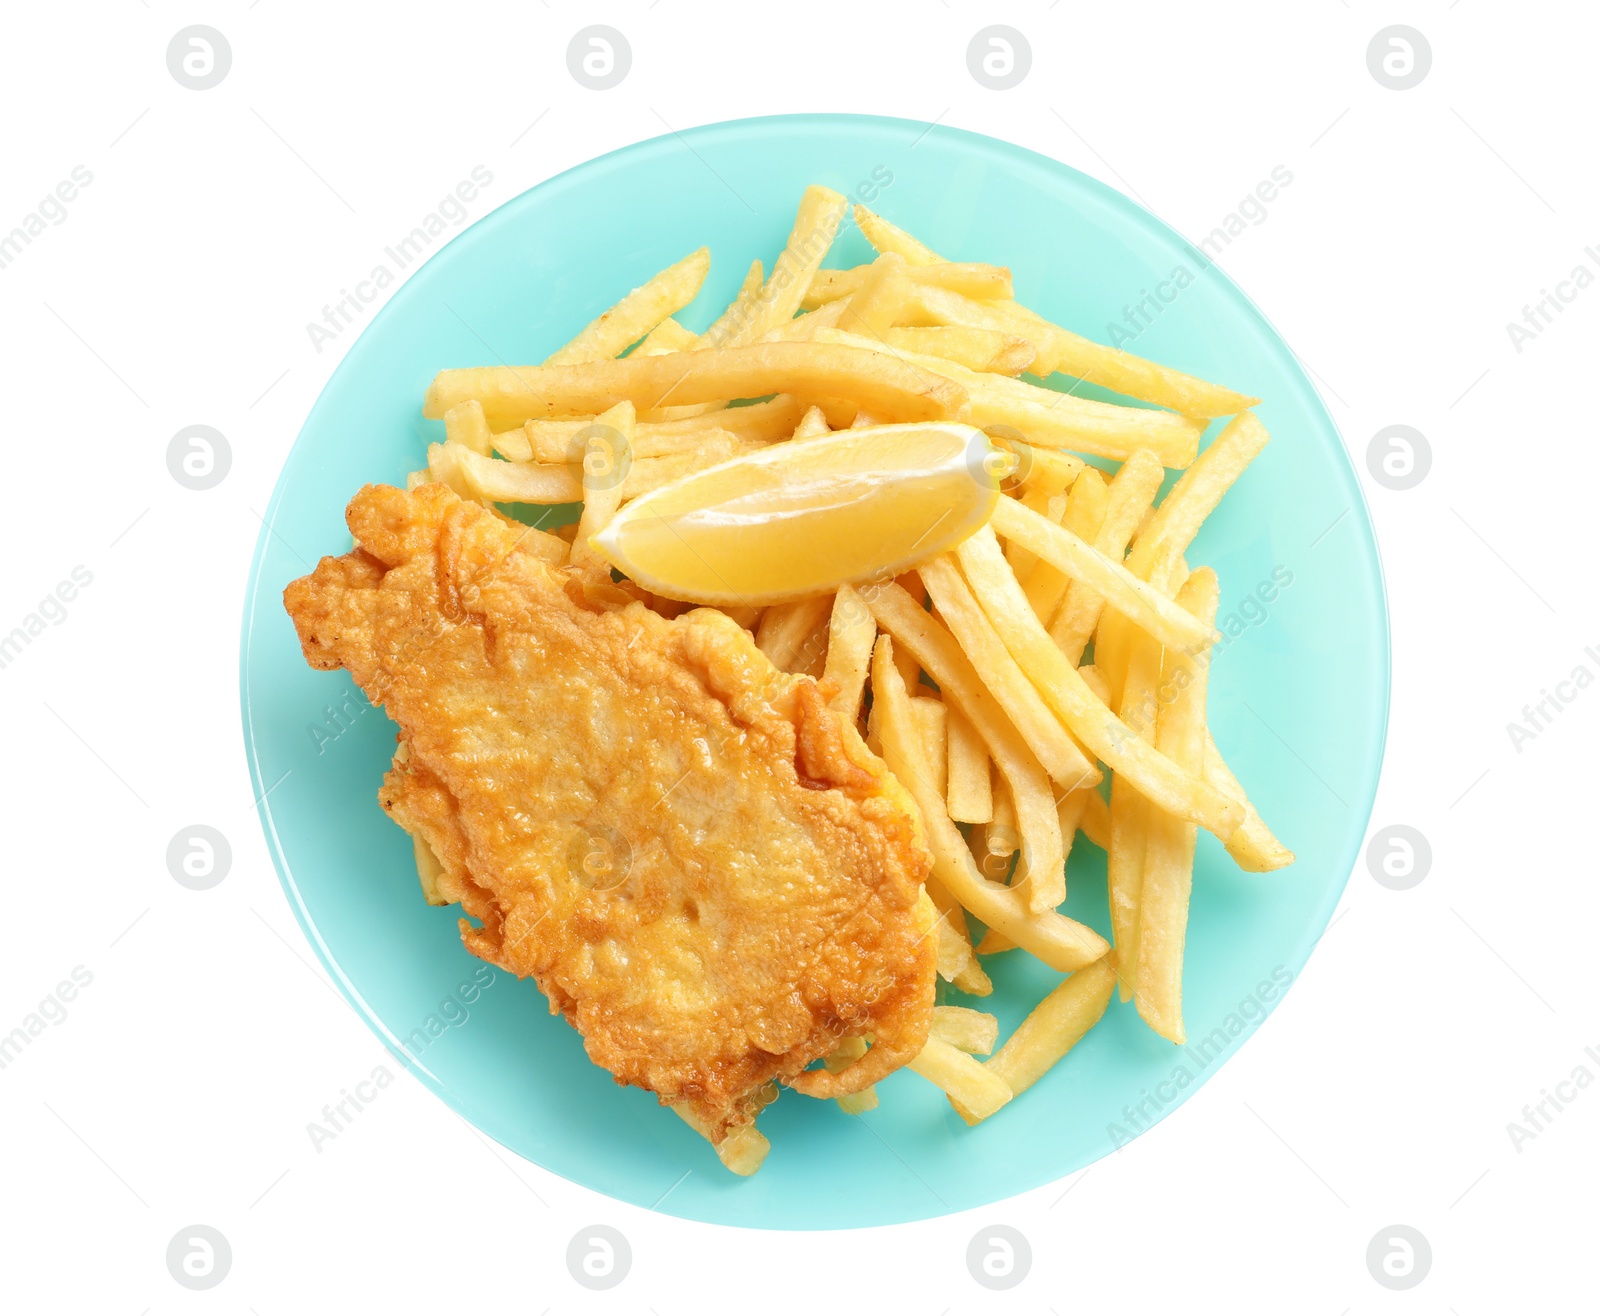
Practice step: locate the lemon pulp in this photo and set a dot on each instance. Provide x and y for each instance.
(799, 519)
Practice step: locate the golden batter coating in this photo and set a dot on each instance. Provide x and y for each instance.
(701, 865)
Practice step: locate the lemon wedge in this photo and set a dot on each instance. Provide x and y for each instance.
(800, 519)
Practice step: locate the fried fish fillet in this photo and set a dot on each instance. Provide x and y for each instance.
(702, 866)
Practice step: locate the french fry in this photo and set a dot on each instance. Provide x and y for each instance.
(1253, 846)
(813, 425)
(1169, 850)
(1130, 812)
(803, 328)
(851, 630)
(1128, 499)
(984, 282)
(968, 1083)
(812, 659)
(467, 425)
(472, 475)
(668, 336)
(1151, 610)
(972, 979)
(637, 313)
(785, 626)
(1053, 507)
(893, 389)
(932, 725)
(1110, 739)
(558, 440)
(1046, 584)
(1066, 351)
(850, 1050)
(742, 1151)
(1001, 838)
(977, 349)
(972, 1031)
(429, 871)
(565, 447)
(969, 795)
(607, 457)
(653, 472)
(1069, 814)
(1042, 732)
(485, 479)
(1095, 822)
(994, 944)
(815, 224)
(1062, 943)
(737, 313)
(1045, 469)
(1052, 1028)
(887, 237)
(1039, 872)
(877, 302)
(1061, 350)
(1054, 420)
(1168, 534)
(957, 964)
(1096, 681)
(994, 867)
(905, 662)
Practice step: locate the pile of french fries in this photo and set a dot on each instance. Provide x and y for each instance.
(1064, 643)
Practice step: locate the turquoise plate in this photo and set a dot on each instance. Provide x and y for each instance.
(1299, 694)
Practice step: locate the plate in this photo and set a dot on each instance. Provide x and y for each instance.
(1299, 693)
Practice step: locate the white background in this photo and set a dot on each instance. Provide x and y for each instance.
(177, 290)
